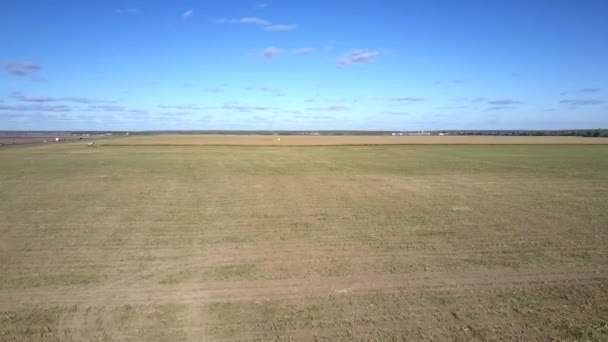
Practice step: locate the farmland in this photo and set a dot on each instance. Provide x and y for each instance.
(325, 140)
(171, 238)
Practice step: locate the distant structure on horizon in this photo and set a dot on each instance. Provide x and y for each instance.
(419, 133)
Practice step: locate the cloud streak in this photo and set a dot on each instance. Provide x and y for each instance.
(22, 69)
(503, 102)
(280, 27)
(395, 113)
(499, 107)
(271, 52)
(180, 107)
(106, 108)
(273, 92)
(357, 57)
(303, 51)
(36, 108)
(187, 14)
(252, 21)
(44, 99)
(330, 108)
(243, 108)
(583, 102)
(409, 99)
(589, 90)
(255, 21)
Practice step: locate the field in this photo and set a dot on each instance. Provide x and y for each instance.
(29, 139)
(315, 243)
(325, 140)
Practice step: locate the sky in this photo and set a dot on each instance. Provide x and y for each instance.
(303, 65)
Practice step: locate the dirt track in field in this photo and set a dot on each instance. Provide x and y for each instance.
(295, 140)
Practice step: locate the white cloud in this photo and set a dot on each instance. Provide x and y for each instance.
(303, 51)
(253, 21)
(357, 57)
(187, 14)
(267, 25)
(280, 27)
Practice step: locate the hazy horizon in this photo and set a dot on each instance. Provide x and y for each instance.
(303, 65)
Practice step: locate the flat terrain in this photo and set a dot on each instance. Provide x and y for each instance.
(30, 139)
(326, 243)
(300, 140)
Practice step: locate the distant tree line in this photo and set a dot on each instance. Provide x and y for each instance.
(592, 133)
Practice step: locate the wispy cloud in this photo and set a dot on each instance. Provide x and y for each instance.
(187, 14)
(271, 52)
(170, 114)
(137, 111)
(303, 51)
(314, 117)
(395, 113)
(106, 108)
(357, 57)
(286, 111)
(244, 108)
(180, 107)
(499, 107)
(36, 108)
(127, 10)
(252, 21)
(43, 99)
(503, 102)
(280, 27)
(409, 99)
(589, 90)
(583, 102)
(273, 92)
(261, 5)
(255, 21)
(330, 108)
(451, 107)
(21, 69)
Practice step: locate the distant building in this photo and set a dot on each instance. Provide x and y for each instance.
(419, 133)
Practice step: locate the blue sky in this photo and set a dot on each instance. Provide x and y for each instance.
(303, 64)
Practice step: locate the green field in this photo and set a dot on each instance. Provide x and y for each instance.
(340, 243)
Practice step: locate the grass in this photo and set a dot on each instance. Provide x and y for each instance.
(326, 242)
